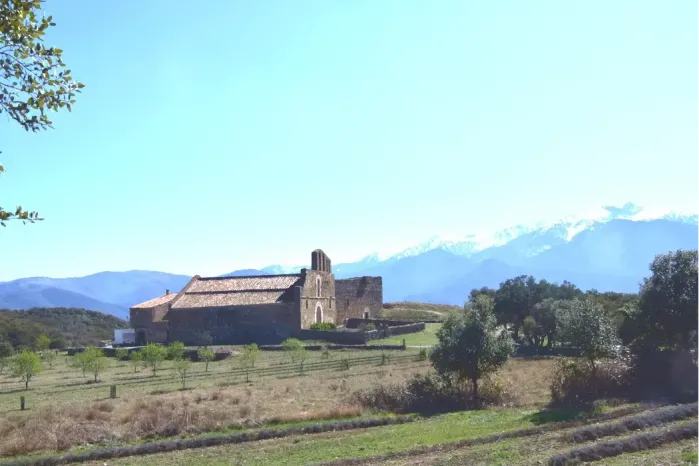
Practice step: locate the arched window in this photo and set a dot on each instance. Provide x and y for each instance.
(319, 313)
(318, 287)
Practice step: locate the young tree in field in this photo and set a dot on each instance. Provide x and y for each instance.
(33, 78)
(293, 347)
(6, 352)
(175, 350)
(121, 354)
(48, 356)
(80, 361)
(585, 325)
(41, 346)
(667, 308)
(183, 367)
(206, 356)
(153, 356)
(41, 343)
(469, 345)
(95, 361)
(136, 358)
(26, 365)
(250, 354)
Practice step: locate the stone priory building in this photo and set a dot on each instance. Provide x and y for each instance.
(263, 309)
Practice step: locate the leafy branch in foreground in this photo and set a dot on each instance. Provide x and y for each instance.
(33, 78)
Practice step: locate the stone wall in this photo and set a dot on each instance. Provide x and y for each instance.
(359, 337)
(311, 302)
(262, 324)
(342, 338)
(355, 296)
(354, 322)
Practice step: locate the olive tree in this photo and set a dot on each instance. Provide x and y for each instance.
(95, 361)
(296, 350)
(26, 365)
(136, 359)
(175, 350)
(153, 356)
(586, 326)
(247, 359)
(470, 346)
(667, 308)
(206, 356)
(182, 368)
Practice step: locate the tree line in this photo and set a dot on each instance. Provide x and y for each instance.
(660, 318)
(64, 326)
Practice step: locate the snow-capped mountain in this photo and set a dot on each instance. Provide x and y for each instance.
(608, 249)
(541, 236)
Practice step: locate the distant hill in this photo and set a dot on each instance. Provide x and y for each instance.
(608, 252)
(108, 292)
(64, 325)
(32, 295)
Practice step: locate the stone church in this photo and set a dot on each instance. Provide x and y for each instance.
(259, 308)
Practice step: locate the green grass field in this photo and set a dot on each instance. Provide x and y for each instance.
(427, 337)
(437, 440)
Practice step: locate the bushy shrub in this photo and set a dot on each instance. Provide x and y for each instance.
(430, 394)
(323, 326)
(422, 354)
(175, 350)
(577, 383)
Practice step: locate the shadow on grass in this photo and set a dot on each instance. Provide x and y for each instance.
(550, 415)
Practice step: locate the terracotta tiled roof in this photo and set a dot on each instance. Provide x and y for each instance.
(252, 283)
(237, 298)
(238, 291)
(155, 301)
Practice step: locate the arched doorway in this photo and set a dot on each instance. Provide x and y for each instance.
(319, 314)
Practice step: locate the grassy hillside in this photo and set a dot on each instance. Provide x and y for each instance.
(413, 311)
(66, 326)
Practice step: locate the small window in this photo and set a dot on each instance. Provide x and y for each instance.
(306, 304)
(330, 303)
(318, 293)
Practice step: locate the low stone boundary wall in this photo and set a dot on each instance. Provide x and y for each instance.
(358, 337)
(356, 322)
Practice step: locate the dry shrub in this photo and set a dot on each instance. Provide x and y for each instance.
(430, 394)
(575, 383)
(244, 411)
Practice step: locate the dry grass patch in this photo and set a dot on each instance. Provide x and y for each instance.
(268, 401)
(528, 380)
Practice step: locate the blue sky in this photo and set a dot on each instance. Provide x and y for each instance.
(233, 134)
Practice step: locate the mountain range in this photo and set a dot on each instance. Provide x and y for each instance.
(608, 250)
